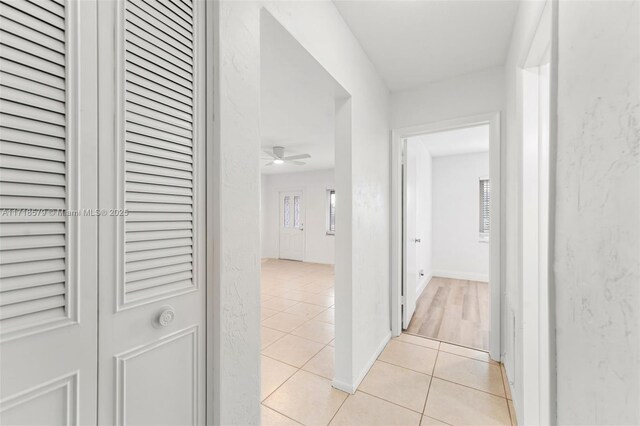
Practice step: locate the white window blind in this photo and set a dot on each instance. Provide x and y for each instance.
(331, 220)
(33, 163)
(159, 171)
(485, 204)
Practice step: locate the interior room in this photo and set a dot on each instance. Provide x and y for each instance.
(447, 174)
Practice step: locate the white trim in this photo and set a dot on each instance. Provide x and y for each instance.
(493, 119)
(351, 388)
(536, 216)
(457, 275)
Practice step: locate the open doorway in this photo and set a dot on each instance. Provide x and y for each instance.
(304, 126)
(446, 215)
(446, 231)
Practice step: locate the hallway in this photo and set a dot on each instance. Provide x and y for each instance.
(415, 381)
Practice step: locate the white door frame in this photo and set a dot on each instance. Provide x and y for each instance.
(397, 135)
(537, 183)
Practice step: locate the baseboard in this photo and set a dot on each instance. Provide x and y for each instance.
(461, 275)
(423, 285)
(351, 387)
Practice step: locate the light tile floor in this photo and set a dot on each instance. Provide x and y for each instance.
(415, 381)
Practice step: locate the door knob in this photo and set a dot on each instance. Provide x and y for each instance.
(166, 316)
(418, 240)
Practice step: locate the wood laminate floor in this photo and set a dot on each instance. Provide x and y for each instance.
(455, 311)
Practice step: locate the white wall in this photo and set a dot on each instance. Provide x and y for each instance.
(362, 295)
(422, 174)
(597, 245)
(319, 247)
(457, 250)
(467, 95)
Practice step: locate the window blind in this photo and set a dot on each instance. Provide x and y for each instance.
(485, 203)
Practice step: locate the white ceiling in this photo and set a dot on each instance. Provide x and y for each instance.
(466, 140)
(297, 102)
(412, 43)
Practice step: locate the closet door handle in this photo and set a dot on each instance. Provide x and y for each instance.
(165, 317)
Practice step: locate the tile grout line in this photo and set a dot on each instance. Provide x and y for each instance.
(440, 378)
(424, 406)
(390, 402)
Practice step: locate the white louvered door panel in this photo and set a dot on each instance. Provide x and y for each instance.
(152, 256)
(159, 52)
(33, 173)
(48, 289)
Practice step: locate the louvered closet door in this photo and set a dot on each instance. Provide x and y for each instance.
(152, 290)
(48, 287)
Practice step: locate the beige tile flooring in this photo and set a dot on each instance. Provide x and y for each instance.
(415, 381)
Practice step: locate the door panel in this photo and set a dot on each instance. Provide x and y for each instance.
(410, 266)
(291, 234)
(152, 289)
(48, 290)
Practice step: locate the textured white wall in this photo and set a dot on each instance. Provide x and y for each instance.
(597, 247)
(457, 251)
(364, 299)
(319, 247)
(467, 95)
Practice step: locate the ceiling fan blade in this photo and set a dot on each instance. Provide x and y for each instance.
(297, 163)
(269, 153)
(270, 163)
(297, 157)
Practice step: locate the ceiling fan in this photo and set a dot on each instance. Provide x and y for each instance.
(277, 154)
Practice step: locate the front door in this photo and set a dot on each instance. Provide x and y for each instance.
(151, 276)
(291, 225)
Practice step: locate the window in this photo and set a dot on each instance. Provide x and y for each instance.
(287, 212)
(485, 203)
(296, 211)
(331, 212)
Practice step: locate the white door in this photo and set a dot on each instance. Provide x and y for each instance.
(291, 226)
(151, 276)
(410, 239)
(48, 163)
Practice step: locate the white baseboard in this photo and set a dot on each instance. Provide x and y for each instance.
(351, 387)
(423, 284)
(471, 276)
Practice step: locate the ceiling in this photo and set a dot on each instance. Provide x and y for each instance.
(412, 43)
(297, 102)
(466, 140)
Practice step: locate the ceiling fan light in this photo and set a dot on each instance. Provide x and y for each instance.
(278, 161)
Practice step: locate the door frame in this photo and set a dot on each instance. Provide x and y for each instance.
(495, 243)
(279, 192)
(537, 210)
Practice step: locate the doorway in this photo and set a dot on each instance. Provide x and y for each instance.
(446, 235)
(442, 279)
(305, 138)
